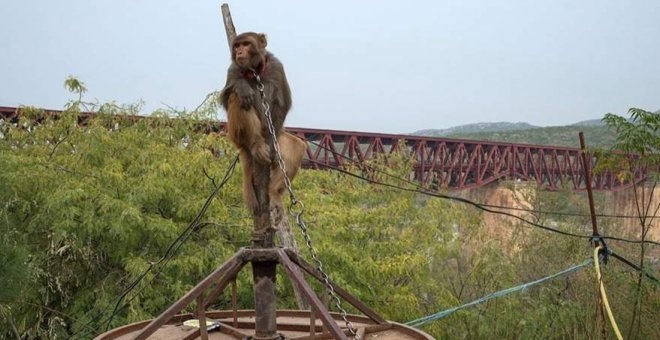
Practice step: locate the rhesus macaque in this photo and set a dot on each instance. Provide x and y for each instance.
(246, 123)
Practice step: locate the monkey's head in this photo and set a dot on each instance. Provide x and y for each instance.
(249, 50)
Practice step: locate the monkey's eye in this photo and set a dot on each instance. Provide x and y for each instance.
(242, 44)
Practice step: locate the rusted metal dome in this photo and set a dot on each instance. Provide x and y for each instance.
(291, 324)
(265, 322)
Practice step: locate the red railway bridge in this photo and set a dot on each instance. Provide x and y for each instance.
(446, 163)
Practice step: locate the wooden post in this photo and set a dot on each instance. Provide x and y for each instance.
(265, 307)
(229, 24)
(263, 273)
(278, 214)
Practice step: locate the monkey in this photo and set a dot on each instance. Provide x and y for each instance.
(249, 57)
(246, 124)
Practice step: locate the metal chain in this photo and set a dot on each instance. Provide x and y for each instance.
(298, 214)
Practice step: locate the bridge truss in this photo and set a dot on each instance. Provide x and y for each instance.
(457, 164)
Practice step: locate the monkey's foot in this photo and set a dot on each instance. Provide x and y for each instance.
(261, 153)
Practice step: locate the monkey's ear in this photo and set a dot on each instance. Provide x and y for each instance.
(262, 40)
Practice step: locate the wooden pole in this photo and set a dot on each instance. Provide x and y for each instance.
(263, 273)
(278, 215)
(229, 24)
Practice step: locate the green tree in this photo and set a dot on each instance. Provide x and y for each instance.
(87, 209)
(638, 149)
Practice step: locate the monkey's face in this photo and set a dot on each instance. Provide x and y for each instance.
(248, 49)
(243, 52)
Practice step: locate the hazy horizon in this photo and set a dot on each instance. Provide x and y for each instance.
(380, 66)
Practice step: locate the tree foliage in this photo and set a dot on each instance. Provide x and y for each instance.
(88, 209)
(638, 134)
(638, 146)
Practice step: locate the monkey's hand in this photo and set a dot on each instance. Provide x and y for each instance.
(247, 97)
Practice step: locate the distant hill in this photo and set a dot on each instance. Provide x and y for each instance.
(592, 122)
(595, 136)
(474, 128)
(595, 132)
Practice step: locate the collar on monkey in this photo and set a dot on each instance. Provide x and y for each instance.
(261, 68)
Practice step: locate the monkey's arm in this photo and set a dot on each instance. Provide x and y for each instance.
(277, 91)
(276, 85)
(236, 83)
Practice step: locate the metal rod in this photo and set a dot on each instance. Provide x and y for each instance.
(215, 293)
(226, 271)
(298, 279)
(312, 321)
(341, 292)
(592, 210)
(233, 331)
(201, 317)
(587, 178)
(234, 302)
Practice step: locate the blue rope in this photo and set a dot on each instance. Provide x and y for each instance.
(442, 314)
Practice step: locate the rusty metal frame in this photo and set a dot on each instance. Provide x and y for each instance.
(457, 164)
(226, 274)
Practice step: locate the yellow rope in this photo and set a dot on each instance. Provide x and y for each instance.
(604, 296)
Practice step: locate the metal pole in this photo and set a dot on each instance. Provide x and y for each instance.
(587, 179)
(592, 210)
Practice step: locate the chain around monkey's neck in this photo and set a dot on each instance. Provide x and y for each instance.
(261, 68)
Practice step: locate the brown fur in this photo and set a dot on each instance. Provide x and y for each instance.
(244, 130)
(241, 82)
(246, 123)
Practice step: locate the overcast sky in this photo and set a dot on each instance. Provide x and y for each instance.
(381, 66)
